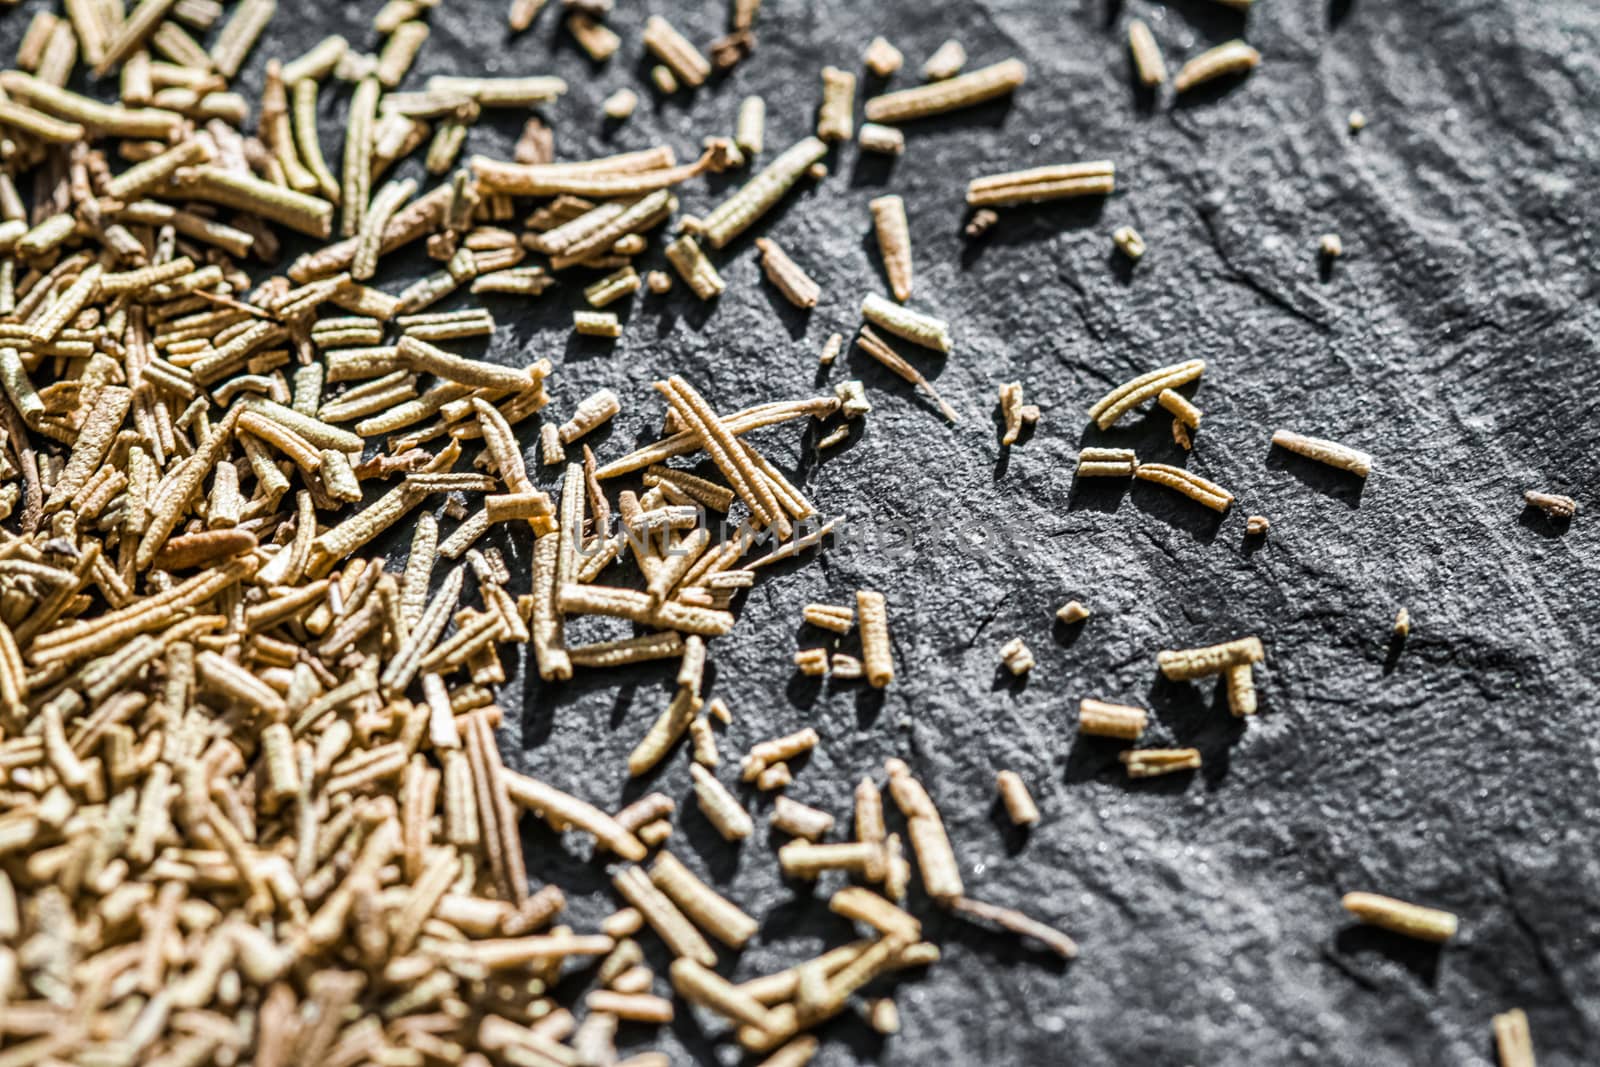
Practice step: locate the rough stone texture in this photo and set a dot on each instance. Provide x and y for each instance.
(1455, 341)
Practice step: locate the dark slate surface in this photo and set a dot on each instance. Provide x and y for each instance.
(1456, 341)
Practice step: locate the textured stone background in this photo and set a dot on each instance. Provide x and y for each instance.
(1456, 341)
